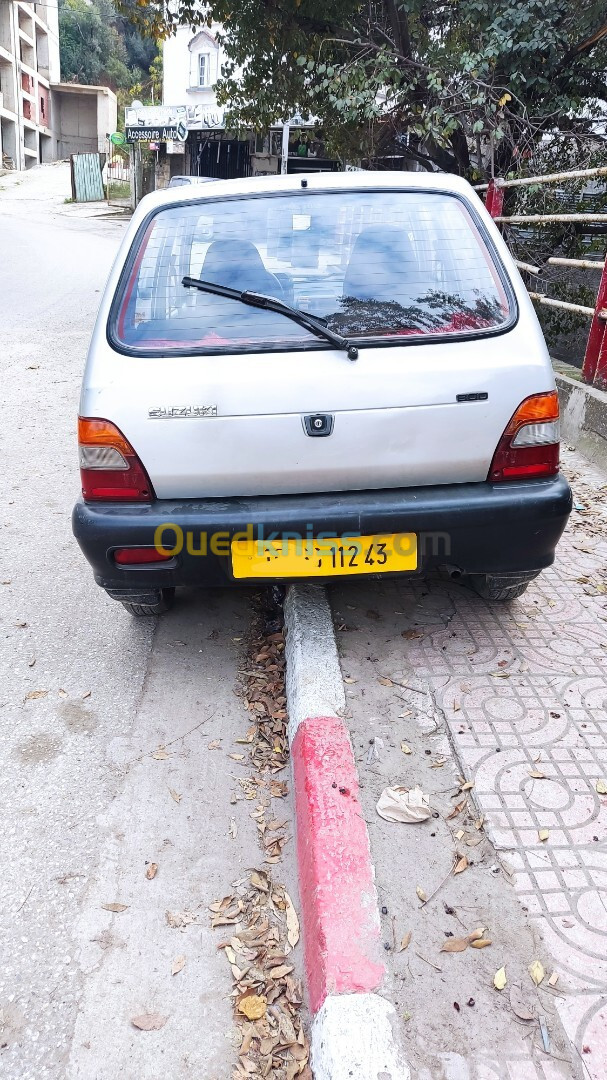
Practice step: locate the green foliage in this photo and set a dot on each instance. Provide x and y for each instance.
(99, 47)
(450, 74)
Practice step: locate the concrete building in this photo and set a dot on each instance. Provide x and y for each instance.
(29, 64)
(41, 118)
(83, 117)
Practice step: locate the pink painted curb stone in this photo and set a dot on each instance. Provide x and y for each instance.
(339, 902)
(354, 1029)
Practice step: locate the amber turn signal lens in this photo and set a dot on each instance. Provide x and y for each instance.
(102, 433)
(536, 408)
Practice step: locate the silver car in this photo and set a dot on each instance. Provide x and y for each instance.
(304, 377)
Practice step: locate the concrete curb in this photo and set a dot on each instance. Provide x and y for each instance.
(314, 683)
(583, 417)
(353, 1028)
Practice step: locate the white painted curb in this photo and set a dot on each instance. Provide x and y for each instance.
(353, 1038)
(314, 683)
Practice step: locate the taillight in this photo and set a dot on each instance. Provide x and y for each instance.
(137, 556)
(530, 444)
(109, 467)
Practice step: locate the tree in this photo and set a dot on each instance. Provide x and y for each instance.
(98, 46)
(461, 81)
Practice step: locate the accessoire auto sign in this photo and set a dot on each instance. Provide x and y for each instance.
(155, 123)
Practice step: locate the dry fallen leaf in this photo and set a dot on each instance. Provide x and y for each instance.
(543, 834)
(457, 809)
(499, 979)
(536, 970)
(260, 881)
(467, 786)
(403, 805)
(405, 942)
(601, 787)
(420, 892)
(236, 757)
(384, 681)
(405, 749)
(177, 920)
(214, 745)
(292, 922)
(87, 694)
(481, 943)
(455, 944)
(35, 694)
(178, 965)
(536, 774)
(175, 795)
(114, 907)
(160, 754)
(149, 1021)
(461, 865)
(253, 1006)
(476, 934)
(151, 871)
(518, 1004)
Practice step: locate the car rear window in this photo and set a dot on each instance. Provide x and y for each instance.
(372, 264)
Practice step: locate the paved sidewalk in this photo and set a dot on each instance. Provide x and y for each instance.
(521, 691)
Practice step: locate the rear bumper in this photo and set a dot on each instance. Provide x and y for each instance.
(476, 528)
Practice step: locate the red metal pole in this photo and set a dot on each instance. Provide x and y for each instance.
(594, 369)
(494, 200)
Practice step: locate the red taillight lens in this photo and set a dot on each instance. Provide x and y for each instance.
(530, 444)
(109, 467)
(135, 556)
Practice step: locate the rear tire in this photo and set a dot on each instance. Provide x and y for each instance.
(164, 603)
(501, 587)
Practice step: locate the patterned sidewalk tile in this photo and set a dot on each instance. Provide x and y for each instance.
(523, 688)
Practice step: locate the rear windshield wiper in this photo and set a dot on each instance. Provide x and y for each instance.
(272, 303)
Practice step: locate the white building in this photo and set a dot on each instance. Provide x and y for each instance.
(191, 67)
(192, 62)
(29, 63)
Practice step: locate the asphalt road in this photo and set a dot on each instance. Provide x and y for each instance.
(87, 693)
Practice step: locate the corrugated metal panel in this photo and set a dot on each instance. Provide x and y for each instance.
(88, 183)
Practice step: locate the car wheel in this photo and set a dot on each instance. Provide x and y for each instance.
(163, 603)
(500, 586)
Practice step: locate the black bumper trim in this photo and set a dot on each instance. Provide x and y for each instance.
(476, 528)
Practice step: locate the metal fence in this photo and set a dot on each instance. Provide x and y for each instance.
(594, 368)
(118, 175)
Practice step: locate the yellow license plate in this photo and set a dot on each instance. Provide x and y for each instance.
(335, 556)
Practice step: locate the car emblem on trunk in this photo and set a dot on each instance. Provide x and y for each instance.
(318, 425)
(175, 412)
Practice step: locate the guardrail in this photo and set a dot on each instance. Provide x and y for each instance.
(594, 369)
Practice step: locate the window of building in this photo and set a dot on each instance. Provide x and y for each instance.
(203, 69)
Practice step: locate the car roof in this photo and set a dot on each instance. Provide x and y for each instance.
(313, 181)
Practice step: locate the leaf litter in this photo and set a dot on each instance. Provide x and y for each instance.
(261, 922)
